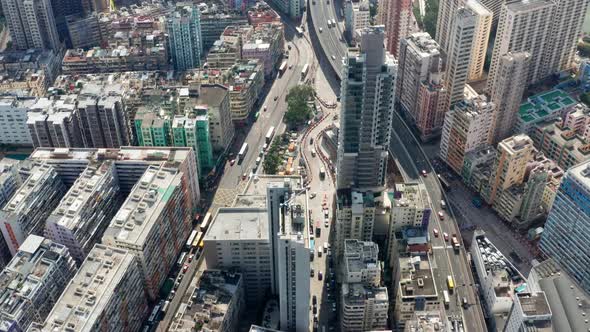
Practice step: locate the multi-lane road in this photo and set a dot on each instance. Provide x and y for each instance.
(406, 150)
(331, 39)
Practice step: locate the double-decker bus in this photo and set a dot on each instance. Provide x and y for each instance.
(446, 297)
(242, 153)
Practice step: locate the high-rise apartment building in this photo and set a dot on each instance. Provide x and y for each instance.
(214, 100)
(194, 132)
(86, 210)
(467, 127)
(367, 97)
(481, 38)
(459, 52)
(183, 26)
(420, 63)
(524, 26)
(153, 224)
(356, 17)
(566, 26)
(13, 123)
(31, 24)
(399, 23)
(506, 92)
(361, 263)
(287, 211)
(239, 238)
(32, 282)
(444, 21)
(293, 8)
(510, 165)
(105, 294)
(355, 217)
(28, 209)
(565, 238)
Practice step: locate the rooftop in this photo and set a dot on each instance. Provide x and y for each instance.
(144, 205)
(416, 278)
(39, 174)
(212, 94)
(360, 255)
(84, 300)
(534, 304)
(568, 303)
(409, 195)
(150, 155)
(359, 293)
(423, 43)
(543, 105)
(239, 223)
(426, 321)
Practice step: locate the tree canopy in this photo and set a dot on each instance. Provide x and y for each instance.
(298, 110)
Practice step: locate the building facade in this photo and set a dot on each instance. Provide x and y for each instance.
(186, 44)
(355, 217)
(368, 96)
(31, 24)
(399, 23)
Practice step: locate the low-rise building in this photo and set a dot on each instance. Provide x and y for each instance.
(215, 304)
(355, 217)
(119, 59)
(427, 321)
(29, 207)
(86, 210)
(223, 54)
(262, 13)
(468, 126)
(244, 81)
(214, 22)
(13, 61)
(32, 282)
(153, 224)
(106, 293)
(530, 311)
(266, 44)
(550, 105)
(414, 286)
(361, 263)
(24, 83)
(364, 307)
(500, 281)
(474, 160)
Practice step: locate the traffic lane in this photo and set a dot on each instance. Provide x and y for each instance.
(319, 17)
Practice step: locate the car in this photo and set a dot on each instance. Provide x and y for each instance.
(320, 276)
(319, 251)
(424, 174)
(321, 30)
(315, 318)
(184, 268)
(446, 236)
(315, 310)
(441, 215)
(290, 66)
(314, 300)
(244, 176)
(289, 46)
(333, 57)
(232, 162)
(435, 232)
(313, 195)
(443, 204)
(325, 247)
(326, 224)
(190, 258)
(465, 304)
(275, 98)
(311, 237)
(311, 140)
(312, 273)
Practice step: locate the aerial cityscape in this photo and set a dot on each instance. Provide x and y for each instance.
(291, 165)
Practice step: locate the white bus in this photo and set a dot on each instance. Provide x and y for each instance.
(282, 68)
(191, 238)
(446, 297)
(242, 153)
(181, 259)
(205, 222)
(305, 70)
(269, 134)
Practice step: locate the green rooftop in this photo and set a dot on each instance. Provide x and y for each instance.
(543, 105)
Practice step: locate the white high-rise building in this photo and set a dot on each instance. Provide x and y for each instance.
(506, 92)
(33, 282)
(361, 263)
(367, 112)
(86, 210)
(459, 52)
(356, 17)
(29, 207)
(153, 223)
(364, 308)
(31, 24)
(106, 294)
(524, 26)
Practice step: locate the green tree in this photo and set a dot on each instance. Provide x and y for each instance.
(272, 160)
(430, 17)
(298, 110)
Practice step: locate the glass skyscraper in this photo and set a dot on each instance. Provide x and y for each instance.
(567, 229)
